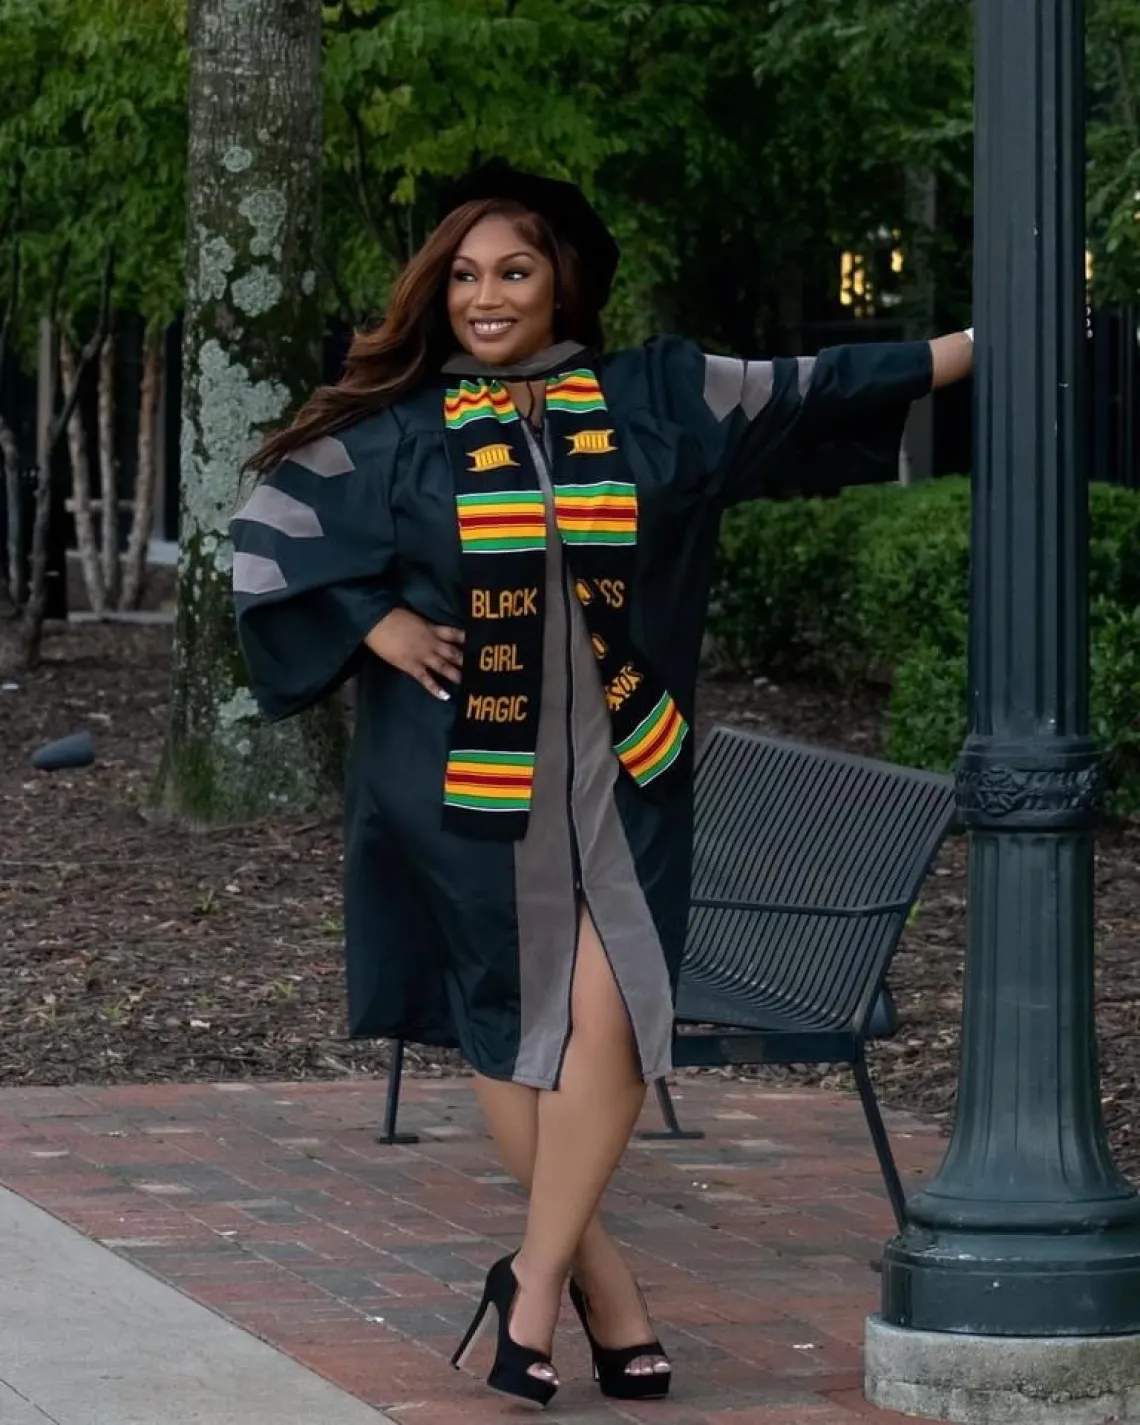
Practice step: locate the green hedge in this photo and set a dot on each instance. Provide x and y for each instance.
(875, 582)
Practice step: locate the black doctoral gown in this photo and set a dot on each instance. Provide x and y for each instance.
(452, 940)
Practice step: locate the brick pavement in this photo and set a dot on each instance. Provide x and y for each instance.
(274, 1205)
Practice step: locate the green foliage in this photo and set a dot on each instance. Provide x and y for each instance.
(92, 153)
(877, 581)
(926, 716)
(866, 88)
(911, 572)
(731, 145)
(1115, 698)
(639, 103)
(785, 576)
(1114, 148)
(1114, 544)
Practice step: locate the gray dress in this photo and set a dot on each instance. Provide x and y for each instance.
(576, 849)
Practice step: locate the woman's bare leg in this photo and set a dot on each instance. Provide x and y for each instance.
(616, 1307)
(582, 1130)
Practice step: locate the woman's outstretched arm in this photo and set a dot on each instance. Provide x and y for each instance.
(952, 357)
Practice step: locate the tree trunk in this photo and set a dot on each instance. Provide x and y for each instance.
(31, 625)
(251, 353)
(20, 648)
(10, 458)
(108, 473)
(81, 486)
(146, 475)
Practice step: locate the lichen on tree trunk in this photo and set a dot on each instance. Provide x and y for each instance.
(251, 353)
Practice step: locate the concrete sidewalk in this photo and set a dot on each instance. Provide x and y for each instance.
(86, 1338)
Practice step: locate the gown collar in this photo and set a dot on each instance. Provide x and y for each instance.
(544, 363)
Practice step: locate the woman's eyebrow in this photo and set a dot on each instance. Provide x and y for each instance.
(507, 257)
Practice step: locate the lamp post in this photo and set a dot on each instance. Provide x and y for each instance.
(1015, 1287)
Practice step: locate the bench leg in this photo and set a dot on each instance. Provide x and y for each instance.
(673, 1129)
(388, 1134)
(882, 1143)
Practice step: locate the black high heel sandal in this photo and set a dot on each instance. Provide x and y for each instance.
(611, 1367)
(511, 1371)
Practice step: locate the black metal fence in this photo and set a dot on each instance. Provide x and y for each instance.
(1114, 396)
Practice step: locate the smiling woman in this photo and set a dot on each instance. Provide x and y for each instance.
(509, 536)
(501, 297)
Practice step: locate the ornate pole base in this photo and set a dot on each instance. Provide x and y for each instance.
(1015, 1380)
(1028, 1229)
(1014, 1292)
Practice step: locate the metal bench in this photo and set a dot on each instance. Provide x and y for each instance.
(806, 865)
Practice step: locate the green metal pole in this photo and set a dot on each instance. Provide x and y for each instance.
(1028, 1229)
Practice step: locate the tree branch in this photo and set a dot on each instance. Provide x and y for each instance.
(10, 302)
(89, 353)
(1127, 99)
(61, 264)
(9, 450)
(8, 230)
(344, 301)
(364, 198)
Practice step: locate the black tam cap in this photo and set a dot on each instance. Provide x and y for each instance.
(564, 206)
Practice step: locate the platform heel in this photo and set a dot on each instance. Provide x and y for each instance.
(611, 1367)
(511, 1369)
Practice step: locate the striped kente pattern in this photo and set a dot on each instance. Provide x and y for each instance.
(502, 521)
(489, 781)
(601, 513)
(576, 391)
(655, 743)
(472, 401)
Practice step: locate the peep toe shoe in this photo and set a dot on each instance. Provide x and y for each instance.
(511, 1370)
(611, 1366)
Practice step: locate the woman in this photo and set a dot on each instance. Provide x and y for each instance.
(509, 538)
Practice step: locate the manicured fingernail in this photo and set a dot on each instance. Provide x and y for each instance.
(445, 697)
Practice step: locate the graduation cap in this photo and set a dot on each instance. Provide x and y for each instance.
(564, 206)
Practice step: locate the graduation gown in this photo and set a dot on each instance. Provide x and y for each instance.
(452, 940)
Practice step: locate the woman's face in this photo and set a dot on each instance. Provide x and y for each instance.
(500, 294)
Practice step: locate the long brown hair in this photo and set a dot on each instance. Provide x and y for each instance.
(415, 338)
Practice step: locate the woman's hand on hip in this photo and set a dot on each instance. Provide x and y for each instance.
(430, 653)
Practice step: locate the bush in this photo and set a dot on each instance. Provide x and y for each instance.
(1115, 699)
(926, 715)
(912, 573)
(878, 579)
(784, 589)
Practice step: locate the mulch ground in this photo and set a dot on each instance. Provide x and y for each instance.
(135, 951)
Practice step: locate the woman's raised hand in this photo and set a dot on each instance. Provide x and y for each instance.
(427, 652)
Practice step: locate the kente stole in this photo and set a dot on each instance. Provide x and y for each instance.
(502, 528)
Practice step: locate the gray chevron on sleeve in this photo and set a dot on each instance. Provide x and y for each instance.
(254, 574)
(326, 456)
(273, 507)
(730, 383)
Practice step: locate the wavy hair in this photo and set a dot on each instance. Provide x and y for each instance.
(415, 337)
